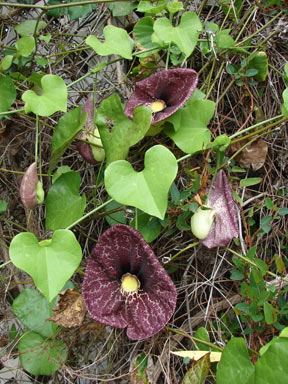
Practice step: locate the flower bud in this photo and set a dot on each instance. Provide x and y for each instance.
(201, 222)
(97, 149)
(31, 191)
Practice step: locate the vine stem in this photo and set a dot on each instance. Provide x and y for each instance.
(183, 250)
(11, 112)
(258, 125)
(182, 333)
(284, 118)
(4, 264)
(89, 214)
(55, 6)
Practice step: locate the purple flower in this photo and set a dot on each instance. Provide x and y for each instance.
(225, 226)
(126, 286)
(91, 154)
(164, 92)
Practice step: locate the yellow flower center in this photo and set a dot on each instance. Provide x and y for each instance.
(157, 106)
(129, 283)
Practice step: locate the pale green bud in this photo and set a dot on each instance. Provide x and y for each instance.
(201, 222)
(97, 149)
(39, 193)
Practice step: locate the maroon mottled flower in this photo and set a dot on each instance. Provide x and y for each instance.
(91, 154)
(164, 92)
(225, 225)
(31, 191)
(126, 286)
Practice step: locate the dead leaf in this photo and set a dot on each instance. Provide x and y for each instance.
(254, 155)
(69, 310)
(196, 355)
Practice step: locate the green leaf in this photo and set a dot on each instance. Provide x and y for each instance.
(185, 36)
(32, 309)
(60, 171)
(224, 40)
(198, 371)
(270, 313)
(268, 203)
(118, 132)
(3, 206)
(149, 227)
(235, 366)
(122, 8)
(189, 131)
(80, 11)
(265, 223)
(250, 181)
(13, 332)
(236, 275)
(7, 94)
(175, 6)
(272, 367)
(40, 357)
(153, 8)
(52, 99)
(284, 108)
(27, 28)
(143, 31)
(50, 263)
(6, 62)
(261, 265)
(64, 205)
(283, 211)
(115, 217)
(67, 128)
(259, 62)
(47, 39)
(25, 46)
(117, 42)
(243, 307)
(148, 189)
(202, 334)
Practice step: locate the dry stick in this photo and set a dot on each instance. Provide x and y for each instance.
(181, 333)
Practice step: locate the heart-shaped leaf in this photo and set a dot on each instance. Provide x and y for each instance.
(117, 42)
(50, 263)
(148, 189)
(67, 128)
(235, 365)
(64, 205)
(52, 99)
(272, 367)
(259, 61)
(7, 94)
(25, 46)
(149, 7)
(122, 8)
(118, 133)
(40, 357)
(149, 227)
(32, 309)
(27, 28)
(185, 36)
(189, 131)
(143, 31)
